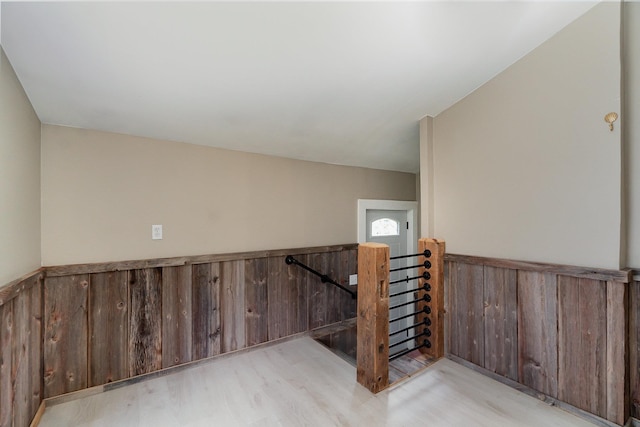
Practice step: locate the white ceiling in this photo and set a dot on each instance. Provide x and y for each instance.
(334, 82)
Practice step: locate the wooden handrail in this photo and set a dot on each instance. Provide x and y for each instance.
(624, 275)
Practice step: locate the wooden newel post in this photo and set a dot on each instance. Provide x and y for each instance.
(436, 305)
(373, 316)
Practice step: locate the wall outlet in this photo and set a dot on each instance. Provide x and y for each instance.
(353, 279)
(156, 232)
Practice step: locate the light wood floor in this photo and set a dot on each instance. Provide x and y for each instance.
(301, 383)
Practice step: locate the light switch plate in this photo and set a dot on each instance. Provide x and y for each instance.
(353, 279)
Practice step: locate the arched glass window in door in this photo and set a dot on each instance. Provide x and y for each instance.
(385, 227)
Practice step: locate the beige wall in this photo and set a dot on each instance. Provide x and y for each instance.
(103, 191)
(427, 187)
(631, 61)
(19, 178)
(525, 167)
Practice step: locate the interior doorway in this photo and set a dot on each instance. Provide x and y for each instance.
(394, 224)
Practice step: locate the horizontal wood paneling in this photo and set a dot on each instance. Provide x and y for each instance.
(132, 321)
(559, 330)
(67, 270)
(623, 276)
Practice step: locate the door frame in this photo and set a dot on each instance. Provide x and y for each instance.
(365, 205)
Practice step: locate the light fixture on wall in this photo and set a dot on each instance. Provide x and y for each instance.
(610, 118)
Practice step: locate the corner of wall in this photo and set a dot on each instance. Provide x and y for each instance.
(630, 93)
(20, 142)
(526, 167)
(426, 178)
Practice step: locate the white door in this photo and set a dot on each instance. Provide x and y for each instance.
(390, 227)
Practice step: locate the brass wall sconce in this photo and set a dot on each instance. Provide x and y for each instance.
(610, 118)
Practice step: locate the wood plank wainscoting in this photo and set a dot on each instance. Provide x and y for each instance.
(568, 335)
(554, 331)
(634, 344)
(68, 328)
(21, 350)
